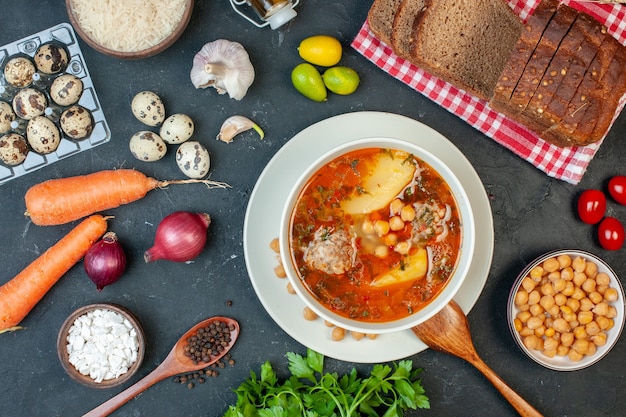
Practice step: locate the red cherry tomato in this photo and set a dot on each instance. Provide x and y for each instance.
(591, 206)
(617, 188)
(611, 233)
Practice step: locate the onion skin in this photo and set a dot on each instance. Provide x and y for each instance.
(180, 237)
(105, 261)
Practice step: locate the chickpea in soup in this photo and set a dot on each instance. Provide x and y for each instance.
(375, 234)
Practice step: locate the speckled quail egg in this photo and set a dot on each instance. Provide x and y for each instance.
(13, 149)
(51, 58)
(76, 122)
(29, 103)
(147, 146)
(43, 135)
(19, 72)
(66, 90)
(7, 115)
(193, 159)
(148, 108)
(177, 129)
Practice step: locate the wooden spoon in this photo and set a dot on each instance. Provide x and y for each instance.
(448, 331)
(175, 363)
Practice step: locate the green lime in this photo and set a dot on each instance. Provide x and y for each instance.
(341, 80)
(308, 81)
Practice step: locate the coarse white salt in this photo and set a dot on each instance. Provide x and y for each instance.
(102, 344)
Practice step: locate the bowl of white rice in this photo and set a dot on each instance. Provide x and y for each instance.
(129, 29)
(101, 345)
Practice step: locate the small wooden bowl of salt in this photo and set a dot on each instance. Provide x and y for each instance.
(129, 29)
(101, 345)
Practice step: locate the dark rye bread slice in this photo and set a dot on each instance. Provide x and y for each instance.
(380, 18)
(579, 48)
(542, 56)
(465, 43)
(598, 94)
(523, 50)
(604, 100)
(402, 31)
(582, 60)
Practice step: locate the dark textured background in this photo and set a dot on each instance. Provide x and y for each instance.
(532, 214)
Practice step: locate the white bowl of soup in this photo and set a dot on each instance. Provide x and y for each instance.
(377, 235)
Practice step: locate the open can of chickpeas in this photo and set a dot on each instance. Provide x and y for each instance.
(566, 309)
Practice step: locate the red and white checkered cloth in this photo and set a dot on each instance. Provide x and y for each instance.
(567, 164)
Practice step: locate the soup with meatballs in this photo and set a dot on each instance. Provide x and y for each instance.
(375, 234)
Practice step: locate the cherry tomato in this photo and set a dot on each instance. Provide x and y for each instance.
(617, 188)
(591, 206)
(611, 233)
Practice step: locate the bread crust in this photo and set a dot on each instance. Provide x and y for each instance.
(402, 35)
(380, 18)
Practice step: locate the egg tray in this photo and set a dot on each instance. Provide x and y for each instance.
(64, 35)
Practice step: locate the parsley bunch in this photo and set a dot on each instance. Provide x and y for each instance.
(309, 392)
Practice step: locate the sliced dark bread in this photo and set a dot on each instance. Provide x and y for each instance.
(380, 18)
(524, 48)
(579, 47)
(542, 56)
(402, 32)
(604, 79)
(603, 100)
(581, 61)
(466, 43)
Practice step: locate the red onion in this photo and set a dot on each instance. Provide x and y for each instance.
(105, 261)
(180, 237)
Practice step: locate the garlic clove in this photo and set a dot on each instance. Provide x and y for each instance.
(224, 65)
(235, 125)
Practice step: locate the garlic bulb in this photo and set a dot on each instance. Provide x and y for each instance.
(225, 66)
(234, 125)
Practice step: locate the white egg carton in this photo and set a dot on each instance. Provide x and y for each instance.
(64, 34)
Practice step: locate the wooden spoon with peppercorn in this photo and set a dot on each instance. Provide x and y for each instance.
(218, 334)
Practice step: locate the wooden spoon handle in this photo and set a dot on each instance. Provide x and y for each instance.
(519, 403)
(128, 394)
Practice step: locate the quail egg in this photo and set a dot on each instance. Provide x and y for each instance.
(147, 146)
(51, 58)
(6, 116)
(148, 108)
(13, 149)
(43, 135)
(177, 129)
(29, 103)
(66, 90)
(193, 159)
(19, 72)
(76, 122)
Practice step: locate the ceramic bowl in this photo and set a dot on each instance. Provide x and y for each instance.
(62, 344)
(156, 49)
(448, 291)
(521, 328)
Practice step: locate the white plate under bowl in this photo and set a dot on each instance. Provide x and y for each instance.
(262, 225)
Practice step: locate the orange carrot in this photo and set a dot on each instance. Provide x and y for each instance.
(63, 200)
(26, 289)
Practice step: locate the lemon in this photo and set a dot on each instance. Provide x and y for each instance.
(341, 80)
(321, 50)
(308, 81)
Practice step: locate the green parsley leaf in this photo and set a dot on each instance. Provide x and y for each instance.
(310, 392)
